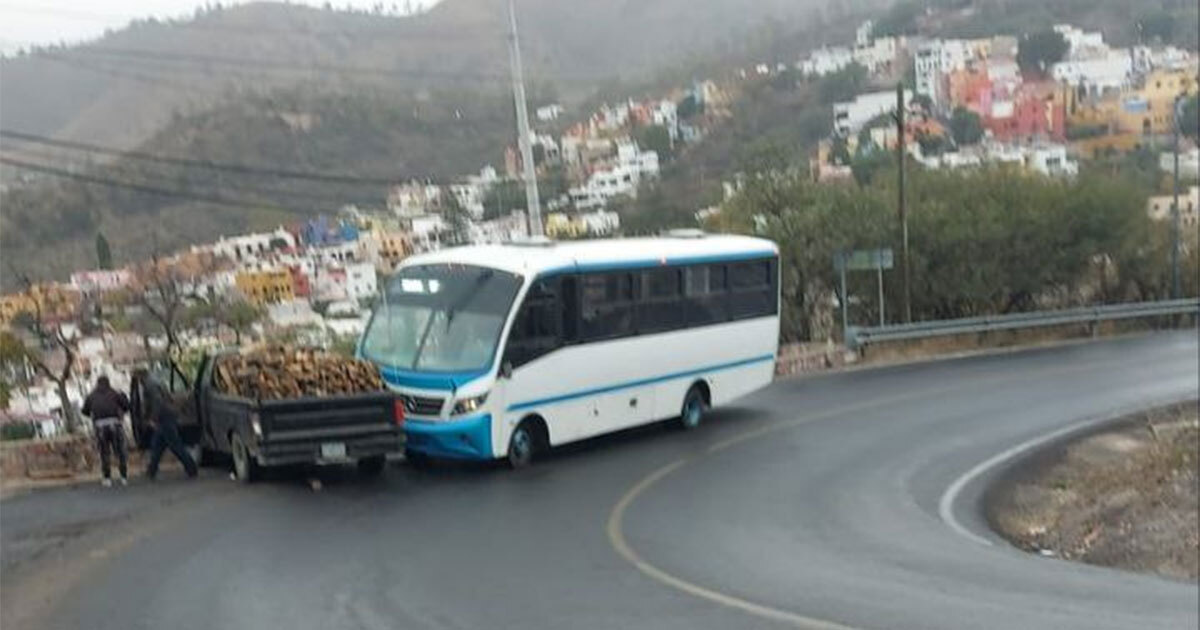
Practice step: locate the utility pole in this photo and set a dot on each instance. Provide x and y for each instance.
(900, 151)
(531, 191)
(1176, 290)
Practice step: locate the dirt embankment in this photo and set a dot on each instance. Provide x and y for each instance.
(1125, 496)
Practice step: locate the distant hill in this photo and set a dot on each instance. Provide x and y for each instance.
(122, 88)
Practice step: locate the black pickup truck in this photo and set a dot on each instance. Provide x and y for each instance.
(362, 429)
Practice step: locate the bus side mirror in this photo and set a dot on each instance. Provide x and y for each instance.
(506, 369)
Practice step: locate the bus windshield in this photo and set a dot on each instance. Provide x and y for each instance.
(441, 318)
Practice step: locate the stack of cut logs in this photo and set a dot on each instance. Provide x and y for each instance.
(276, 372)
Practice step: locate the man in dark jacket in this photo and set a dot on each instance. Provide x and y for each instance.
(105, 406)
(161, 413)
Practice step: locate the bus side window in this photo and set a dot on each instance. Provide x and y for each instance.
(606, 306)
(706, 297)
(752, 289)
(537, 328)
(660, 307)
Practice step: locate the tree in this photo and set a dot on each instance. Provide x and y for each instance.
(502, 198)
(900, 19)
(965, 126)
(1157, 24)
(654, 138)
(843, 84)
(1190, 117)
(688, 107)
(240, 315)
(104, 259)
(458, 222)
(1038, 51)
(49, 348)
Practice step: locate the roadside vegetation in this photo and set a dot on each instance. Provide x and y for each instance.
(1124, 497)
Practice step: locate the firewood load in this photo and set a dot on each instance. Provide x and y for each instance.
(277, 372)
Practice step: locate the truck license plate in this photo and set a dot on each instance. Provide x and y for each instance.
(333, 450)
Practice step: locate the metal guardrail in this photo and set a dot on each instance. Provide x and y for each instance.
(858, 336)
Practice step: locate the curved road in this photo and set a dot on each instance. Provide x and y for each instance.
(841, 500)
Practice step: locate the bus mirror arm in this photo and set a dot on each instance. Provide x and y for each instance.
(506, 369)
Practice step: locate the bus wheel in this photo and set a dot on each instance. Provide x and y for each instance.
(521, 446)
(693, 409)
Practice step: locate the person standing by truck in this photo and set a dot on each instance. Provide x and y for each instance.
(165, 419)
(106, 406)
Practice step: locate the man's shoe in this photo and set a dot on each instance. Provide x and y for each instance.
(106, 482)
(124, 481)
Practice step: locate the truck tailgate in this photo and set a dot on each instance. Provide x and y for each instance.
(354, 426)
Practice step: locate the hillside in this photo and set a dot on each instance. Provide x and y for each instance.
(48, 224)
(122, 88)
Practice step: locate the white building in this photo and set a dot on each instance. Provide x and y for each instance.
(1081, 43)
(665, 113)
(252, 247)
(426, 232)
(504, 229)
(361, 281)
(825, 61)
(849, 117)
(1159, 207)
(878, 56)
(1109, 71)
(1189, 163)
(601, 222)
(294, 313)
(414, 199)
(547, 113)
(100, 280)
(934, 59)
(645, 163)
(335, 255)
(1051, 159)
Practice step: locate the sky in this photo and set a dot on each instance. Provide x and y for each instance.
(33, 22)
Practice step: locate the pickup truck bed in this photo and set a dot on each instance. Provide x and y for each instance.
(354, 428)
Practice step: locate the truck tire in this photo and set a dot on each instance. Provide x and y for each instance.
(244, 467)
(372, 466)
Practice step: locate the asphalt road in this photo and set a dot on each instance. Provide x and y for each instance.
(841, 500)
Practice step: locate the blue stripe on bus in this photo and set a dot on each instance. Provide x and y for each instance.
(646, 381)
(657, 262)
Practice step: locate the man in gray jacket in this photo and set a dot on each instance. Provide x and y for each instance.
(161, 413)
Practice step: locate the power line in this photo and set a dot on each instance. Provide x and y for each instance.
(152, 190)
(338, 178)
(238, 63)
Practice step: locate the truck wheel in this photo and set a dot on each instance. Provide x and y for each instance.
(692, 411)
(244, 467)
(372, 466)
(522, 446)
(416, 459)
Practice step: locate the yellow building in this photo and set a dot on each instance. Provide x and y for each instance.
(386, 247)
(1146, 109)
(562, 226)
(265, 287)
(56, 302)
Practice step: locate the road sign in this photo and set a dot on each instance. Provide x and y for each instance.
(863, 259)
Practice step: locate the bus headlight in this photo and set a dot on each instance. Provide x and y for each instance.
(469, 405)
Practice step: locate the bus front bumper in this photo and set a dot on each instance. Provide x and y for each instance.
(465, 438)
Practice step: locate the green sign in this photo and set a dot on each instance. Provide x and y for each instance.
(863, 259)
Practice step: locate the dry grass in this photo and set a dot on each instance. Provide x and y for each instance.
(1124, 497)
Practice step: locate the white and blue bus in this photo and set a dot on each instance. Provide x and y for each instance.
(501, 351)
